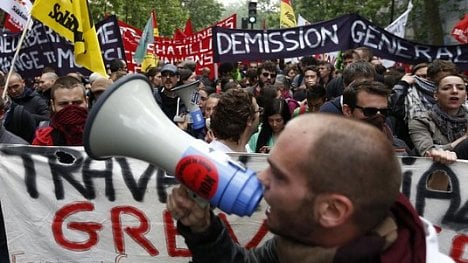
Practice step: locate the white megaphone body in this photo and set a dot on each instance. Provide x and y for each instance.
(189, 95)
(126, 121)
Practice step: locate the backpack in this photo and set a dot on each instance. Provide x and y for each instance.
(292, 104)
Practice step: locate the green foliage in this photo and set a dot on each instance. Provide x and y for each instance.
(170, 14)
(203, 13)
(377, 11)
(425, 19)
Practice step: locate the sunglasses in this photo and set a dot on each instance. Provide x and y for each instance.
(369, 111)
(266, 74)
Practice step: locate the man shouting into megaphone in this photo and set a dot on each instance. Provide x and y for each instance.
(333, 189)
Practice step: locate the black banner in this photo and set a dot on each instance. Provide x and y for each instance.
(345, 32)
(42, 48)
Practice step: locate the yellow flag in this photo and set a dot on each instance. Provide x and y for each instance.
(287, 16)
(71, 19)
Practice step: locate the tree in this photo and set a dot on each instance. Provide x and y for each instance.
(170, 14)
(425, 19)
(203, 13)
(376, 11)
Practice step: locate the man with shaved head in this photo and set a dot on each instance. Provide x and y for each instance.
(333, 189)
(46, 82)
(30, 99)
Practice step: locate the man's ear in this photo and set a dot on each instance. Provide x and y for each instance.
(347, 111)
(333, 210)
(52, 106)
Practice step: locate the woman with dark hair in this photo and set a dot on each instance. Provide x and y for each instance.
(275, 116)
(444, 127)
(186, 76)
(441, 133)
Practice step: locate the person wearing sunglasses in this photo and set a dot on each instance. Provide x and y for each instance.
(170, 101)
(367, 100)
(266, 73)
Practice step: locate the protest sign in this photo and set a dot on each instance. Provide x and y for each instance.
(44, 48)
(61, 206)
(130, 39)
(196, 47)
(342, 33)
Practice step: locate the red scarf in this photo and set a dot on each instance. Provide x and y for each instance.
(70, 121)
(409, 247)
(400, 237)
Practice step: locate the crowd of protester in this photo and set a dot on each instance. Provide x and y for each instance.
(421, 109)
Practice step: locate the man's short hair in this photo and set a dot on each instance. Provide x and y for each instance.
(268, 66)
(50, 75)
(308, 61)
(232, 113)
(370, 86)
(314, 69)
(438, 66)
(353, 159)
(316, 91)
(66, 82)
(358, 70)
(116, 64)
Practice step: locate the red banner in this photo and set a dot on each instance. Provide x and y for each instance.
(130, 38)
(12, 25)
(197, 47)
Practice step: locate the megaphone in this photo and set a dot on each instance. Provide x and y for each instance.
(189, 95)
(126, 121)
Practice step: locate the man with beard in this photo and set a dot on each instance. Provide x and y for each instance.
(317, 211)
(170, 102)
(266, 73)
(69, 112)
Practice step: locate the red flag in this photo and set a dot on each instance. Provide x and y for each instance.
(11, 24)
(178, 35)
(188, 28)
(460, 30)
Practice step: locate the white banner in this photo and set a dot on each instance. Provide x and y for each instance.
(19, 10)
(397, 27)
(61, 206)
